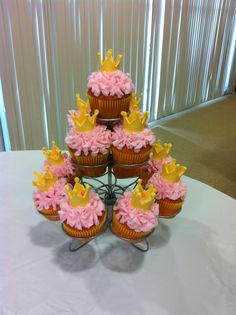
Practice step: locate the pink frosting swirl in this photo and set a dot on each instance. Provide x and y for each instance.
(166, 189)
(82, 217)
(61, 170)
(135, 140)
(51, 198)
(110, 83)
(93, 142)
(136, 219)
(155, 166)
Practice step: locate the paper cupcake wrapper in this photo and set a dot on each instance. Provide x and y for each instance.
(50, 214)
(124, 231)
(109, 108)
(92, 161)
(86, 233)
(169, 208)
(120, 156)
(101, 158)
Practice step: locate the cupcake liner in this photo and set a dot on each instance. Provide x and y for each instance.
(127, 156)
(86, 232)
(109, 108)
(124, 231)
(169, 208)
(101, 158)
(50, 214)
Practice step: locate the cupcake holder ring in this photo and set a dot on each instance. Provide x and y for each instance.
(109, 193)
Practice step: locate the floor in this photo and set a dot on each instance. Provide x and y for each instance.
(204, 140)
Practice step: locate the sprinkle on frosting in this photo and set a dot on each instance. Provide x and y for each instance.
(155, 166)
(82, 217)
(136, 219)
(166, 189)
(51, 198)
(115, 83)
(94, 142)
(61, 170)
(135, 141)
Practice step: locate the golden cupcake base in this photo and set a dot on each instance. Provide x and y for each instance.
(109, 106)
(169, 208)
(123, 231)
(91, 164)
(50, 214)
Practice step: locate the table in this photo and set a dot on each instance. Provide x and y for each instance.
(190, 268)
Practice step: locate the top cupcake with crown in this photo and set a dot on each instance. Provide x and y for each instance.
(110, 89)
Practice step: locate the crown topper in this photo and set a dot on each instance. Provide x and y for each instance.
(45, 181)
(135, 122)
(159, 151)
(79, 195)
(172, 171)
(143, 199)
(134, 102)
(83, 107)
(53, 156)
(84, 122)
(109, 64)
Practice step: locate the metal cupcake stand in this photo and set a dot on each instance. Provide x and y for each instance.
(109, 192)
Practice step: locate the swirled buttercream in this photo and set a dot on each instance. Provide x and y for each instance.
(51, 198)
(82, 217)
(115, 83)
(135, 140)
(93, 142)
(166, 189)
(136, 219)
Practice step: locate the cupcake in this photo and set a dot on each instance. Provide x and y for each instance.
(159, 155)
(82, 106)
(135, 214)
(88, 144)
(171, 191)
(49, 194)
(131, 143)
(82, 212)
(58, 163)
(109, 90)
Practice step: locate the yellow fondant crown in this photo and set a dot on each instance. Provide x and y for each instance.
(84, 122)
(109, 64)
(135, 122)
(79, 195)
(54, 156)
(45, 181)
(143, 199)
(82, 105)
(172, 172)
(134, 102)
(159, 151)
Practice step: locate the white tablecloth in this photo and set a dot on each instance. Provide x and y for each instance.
(190, 268)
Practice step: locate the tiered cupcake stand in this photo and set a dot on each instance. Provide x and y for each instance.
(109, 192)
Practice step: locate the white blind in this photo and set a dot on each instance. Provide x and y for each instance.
(179, 54)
